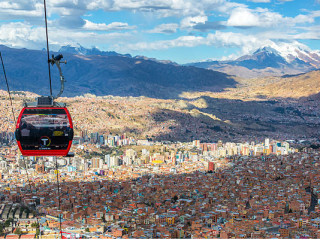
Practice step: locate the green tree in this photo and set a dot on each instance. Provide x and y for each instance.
(18, 231)
(37, 232)
(87, 230)
(35, 225)
(7, 223)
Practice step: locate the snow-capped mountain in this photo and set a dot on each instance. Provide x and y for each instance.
(80, 50)
(272, 60)
(296, 50)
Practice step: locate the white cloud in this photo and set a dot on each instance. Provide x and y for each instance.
(10, 10)
(115, 26)
(69, 27)
(165, 28)
(260, 1)
(246, 43)
(243, 17)
(315, 14)
(184, 41)
(263, 18)
(314, 35)
(162, 8)
(166, 8)
(26, 35)
(190, 22)
(303, 19)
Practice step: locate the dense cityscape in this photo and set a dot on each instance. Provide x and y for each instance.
(119, 186)
(127, 184)
(190, 119)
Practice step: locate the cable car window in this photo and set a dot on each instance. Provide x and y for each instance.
(44, 129)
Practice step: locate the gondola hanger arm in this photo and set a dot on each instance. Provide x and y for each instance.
(55, 60)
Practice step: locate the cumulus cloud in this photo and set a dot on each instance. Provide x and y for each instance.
(21, 9)
(259, 25)
(165, 28)
(243, 17)
(162, 8)
(190, 22)
(315, 14)
(263, 18)
(26, 35)
(114, 26)
(260, 1)
(184, 41)
(166, 8)
(71, 22)
(219, 39)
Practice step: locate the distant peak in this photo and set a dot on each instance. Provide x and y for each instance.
(80, 50)
(267, 49)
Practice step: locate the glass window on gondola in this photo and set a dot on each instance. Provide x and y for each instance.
(44, 129)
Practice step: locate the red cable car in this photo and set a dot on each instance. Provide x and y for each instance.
(44, 128)
(44, 131)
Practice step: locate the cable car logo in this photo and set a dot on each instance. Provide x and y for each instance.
(45, 141)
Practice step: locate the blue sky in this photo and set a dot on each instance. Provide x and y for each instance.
(179, 30)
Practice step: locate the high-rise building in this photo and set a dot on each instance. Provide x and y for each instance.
(96, 163)
(94, 137)
(101, 140)
(114, 161)
(196, 143)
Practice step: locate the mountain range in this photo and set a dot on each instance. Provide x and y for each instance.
(267, 61)
(110, 73)
(212, 105)
(275, 60)
(107, 73)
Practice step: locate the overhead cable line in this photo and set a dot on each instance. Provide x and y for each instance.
(8, 89)
(14, 118)
(49, 70)
(59, 199)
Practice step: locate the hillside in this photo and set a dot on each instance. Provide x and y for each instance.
(296, 86)
(211, 105)
(108, 75)
(206, 118)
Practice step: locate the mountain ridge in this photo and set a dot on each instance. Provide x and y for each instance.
(108, 75)
(266, 61)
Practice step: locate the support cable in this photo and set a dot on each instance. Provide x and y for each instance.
(14, 118)
(8, 89)
(49, 70)
(59, 199)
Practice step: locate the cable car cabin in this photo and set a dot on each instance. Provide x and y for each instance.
(44, 131)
